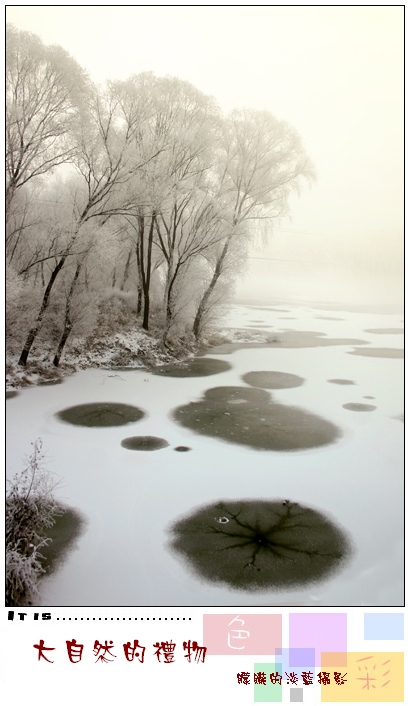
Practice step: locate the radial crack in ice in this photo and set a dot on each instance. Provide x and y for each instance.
(281, 543)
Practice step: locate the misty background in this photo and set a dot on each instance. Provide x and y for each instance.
(144, 240)
(334, 73)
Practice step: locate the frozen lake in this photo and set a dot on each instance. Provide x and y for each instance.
(130, 498)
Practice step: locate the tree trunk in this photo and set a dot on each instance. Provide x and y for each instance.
(139, 299)
(44, 305)
(167, 299)
(126, 271)
(146, 274)
(46, 298)
(139, 281)
(61, 345)
(67, 320)
(204, 299)
(145, 303)
(171, 278)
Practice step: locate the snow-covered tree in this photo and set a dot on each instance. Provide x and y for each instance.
(261, 162)
(102, 162)
(45, 95)
(31, 510)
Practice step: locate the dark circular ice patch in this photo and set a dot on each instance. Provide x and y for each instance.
(64, 533)
(10, 394)
(144, 443)
(359, 407)
(195, 367)
(182, 448)
(341, 381)
(101, 414)
(250, 417)
(384, 330)
(378, 352)
(256, 544)
(272, 380)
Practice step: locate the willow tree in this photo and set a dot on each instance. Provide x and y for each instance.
(170, 153)
(190, 231)
(101, 160)
(186, 221)
(261, 161)
(45, 97)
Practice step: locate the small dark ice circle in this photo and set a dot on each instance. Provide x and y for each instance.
(144, 443)
(101, 414)
(359, 407)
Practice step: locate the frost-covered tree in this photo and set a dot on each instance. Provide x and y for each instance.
(31, 510)
(261, 163)
(191, 230)
(104, 167)
(209, 301)
(45, 95)
(173, 134)
(189, 123)
(85, 287)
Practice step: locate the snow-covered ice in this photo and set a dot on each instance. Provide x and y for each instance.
(130, 498)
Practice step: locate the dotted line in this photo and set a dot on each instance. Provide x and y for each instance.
(123, 618)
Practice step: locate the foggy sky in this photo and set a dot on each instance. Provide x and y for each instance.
(334, 73)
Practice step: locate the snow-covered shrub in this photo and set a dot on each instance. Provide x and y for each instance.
(30, 510)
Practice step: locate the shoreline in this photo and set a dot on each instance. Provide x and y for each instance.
(130, 350)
